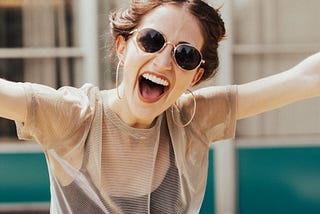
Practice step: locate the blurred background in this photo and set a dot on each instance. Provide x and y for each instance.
(273, 164)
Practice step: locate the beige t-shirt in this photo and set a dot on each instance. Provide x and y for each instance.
(98, 164)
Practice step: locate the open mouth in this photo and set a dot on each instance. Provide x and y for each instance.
(152, 87)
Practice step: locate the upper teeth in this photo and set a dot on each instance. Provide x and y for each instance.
(156, 79)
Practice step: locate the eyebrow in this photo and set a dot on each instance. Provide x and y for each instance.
(184, 42)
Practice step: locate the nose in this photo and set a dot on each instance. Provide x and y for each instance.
(163, 60)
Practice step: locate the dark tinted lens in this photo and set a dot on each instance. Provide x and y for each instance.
(187, 57)
(150, 40)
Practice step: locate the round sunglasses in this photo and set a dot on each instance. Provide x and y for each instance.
(185, 55)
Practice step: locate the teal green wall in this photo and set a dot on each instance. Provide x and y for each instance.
(23, 178)
(279, 180)
(270, 180)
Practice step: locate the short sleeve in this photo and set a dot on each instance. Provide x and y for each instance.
(55, 117)
(215, 117)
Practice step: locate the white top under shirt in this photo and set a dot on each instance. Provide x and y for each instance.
(98, 164)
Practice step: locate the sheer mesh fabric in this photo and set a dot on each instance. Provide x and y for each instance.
(138, 173)
(98, 164)
(165, 199)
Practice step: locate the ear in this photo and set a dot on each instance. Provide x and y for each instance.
(197, 76)
(121, 45)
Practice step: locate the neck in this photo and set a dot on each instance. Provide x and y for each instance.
(121, 108)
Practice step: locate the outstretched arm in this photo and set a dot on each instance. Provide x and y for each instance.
(298, 83)
(12, 101)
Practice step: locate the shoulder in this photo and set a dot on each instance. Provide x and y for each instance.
(214, 97)
(216, 111)
(216, 92)
(87, 89)
(39, 90)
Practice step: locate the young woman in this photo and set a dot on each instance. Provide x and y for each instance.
(142, 147)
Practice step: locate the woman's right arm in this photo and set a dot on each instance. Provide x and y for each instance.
(12, 101)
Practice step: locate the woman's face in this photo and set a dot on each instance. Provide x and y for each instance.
(152, 82)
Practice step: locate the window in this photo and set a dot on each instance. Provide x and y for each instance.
(270, 37)
(264, 38)
(52, 42)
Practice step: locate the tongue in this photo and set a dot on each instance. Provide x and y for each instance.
(150, 92)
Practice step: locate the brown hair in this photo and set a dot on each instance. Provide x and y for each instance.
(211, 23)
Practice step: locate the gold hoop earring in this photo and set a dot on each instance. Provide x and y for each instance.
(117, 80)
(193, 113)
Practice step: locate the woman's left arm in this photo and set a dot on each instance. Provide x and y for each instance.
(298, 83)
